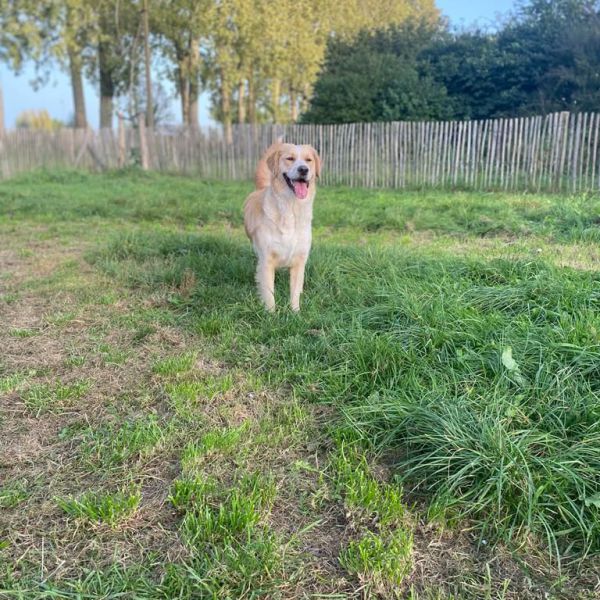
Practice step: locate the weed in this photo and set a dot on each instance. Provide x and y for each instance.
(23, 333)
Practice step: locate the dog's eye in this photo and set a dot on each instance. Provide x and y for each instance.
(309, 160)
(290, 158)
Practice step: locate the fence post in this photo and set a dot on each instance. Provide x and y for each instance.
(143, 143)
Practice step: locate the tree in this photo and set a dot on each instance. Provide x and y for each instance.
(180, 26)
(48, 32)
(378, 77)
(148, 67)
(39, 120)
(469, 67)
(557, 43)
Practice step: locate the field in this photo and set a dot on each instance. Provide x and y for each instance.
(428, 427)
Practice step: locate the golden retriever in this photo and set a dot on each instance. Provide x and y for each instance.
(278, 216)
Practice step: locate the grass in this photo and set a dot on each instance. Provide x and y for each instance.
(439, 389)
(411, 347)
(382, 564)
(174, 365)
(102, 508)
(13, 494)
(46, 397)
(115, 444)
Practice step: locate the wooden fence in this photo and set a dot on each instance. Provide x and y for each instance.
(558, 152)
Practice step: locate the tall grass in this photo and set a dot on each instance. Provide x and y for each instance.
(484, 374)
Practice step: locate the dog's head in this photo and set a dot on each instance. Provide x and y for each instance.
(294, 170)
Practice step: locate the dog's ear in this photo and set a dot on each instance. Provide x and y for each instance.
(273, 162)
(317, 160)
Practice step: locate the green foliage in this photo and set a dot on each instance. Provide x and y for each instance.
(544, 59)
(378, 77)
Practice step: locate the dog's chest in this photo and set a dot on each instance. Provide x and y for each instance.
(292, 237)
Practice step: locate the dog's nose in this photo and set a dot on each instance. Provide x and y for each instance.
(303, 171)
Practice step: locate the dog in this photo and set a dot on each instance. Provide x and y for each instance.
(278, 216)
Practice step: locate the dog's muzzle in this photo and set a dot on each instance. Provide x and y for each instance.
(299, 186)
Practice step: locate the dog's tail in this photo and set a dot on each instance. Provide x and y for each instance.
(262, 178)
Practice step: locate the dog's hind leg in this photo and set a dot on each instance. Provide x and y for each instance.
(297, 282)
(265, 279)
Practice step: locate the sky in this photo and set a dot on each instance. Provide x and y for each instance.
(55, 96)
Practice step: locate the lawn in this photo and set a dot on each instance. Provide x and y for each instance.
(428, 426)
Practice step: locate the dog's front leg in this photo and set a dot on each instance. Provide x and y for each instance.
(297, 282)
(265, 278)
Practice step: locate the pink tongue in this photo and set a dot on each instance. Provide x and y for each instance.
(301, 189)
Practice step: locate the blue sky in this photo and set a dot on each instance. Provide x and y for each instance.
(55, 96)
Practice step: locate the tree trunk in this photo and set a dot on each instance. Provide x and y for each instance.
(293, 106)
(251, 102)
(107, 84)
(275, 99)
(77, 88)
(193, 76)
(147, 59)
(242, 101)
(226, 109)
(183, 86)
(194, 88)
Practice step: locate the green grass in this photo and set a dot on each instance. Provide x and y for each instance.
(12, 382)
(187, 397)
(13, 494)
(233, 551)
(174, 365)
(116, 443)
(361, 492)
(150, 198)
(23, 333)
(380, 564)
(96, 508)
(411, 346)
(59, 396)
(453, 338)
